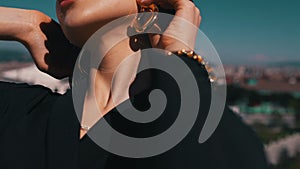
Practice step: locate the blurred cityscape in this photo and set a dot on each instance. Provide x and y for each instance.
(266, 98)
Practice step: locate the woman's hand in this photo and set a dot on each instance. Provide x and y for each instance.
(51, 51)
(43, 37)
(182, 31)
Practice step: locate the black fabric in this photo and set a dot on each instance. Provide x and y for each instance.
(40, 130)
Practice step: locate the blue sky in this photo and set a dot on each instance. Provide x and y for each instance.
(241, 30)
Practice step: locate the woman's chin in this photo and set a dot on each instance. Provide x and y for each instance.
(77, 42)
(77, 35)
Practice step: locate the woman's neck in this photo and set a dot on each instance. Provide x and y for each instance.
(114, 76)
(110, 87)
(110, 81)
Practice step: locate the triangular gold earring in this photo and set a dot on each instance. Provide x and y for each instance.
(146, 18)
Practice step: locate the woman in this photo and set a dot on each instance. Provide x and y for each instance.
(39, 129)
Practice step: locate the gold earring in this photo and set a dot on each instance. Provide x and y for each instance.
(141, 23)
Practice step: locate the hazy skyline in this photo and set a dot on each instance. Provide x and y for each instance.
(242, 31)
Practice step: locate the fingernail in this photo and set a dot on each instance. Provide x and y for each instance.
(144, 2)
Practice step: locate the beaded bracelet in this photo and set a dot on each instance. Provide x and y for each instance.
(191, 54)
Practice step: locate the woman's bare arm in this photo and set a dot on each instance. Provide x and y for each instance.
(15, 23)
(42, 36)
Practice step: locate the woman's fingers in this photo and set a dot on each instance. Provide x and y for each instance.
(198, 17)
(145, 2)
(155, 38)
(182, 31)
(184, 8)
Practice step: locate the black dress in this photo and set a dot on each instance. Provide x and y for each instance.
(40, 130)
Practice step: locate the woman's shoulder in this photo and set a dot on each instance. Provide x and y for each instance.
(22, 93)
(19, 99)
(8, 87)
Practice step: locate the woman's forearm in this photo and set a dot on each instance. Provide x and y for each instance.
(43, 38)
(15, 23)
